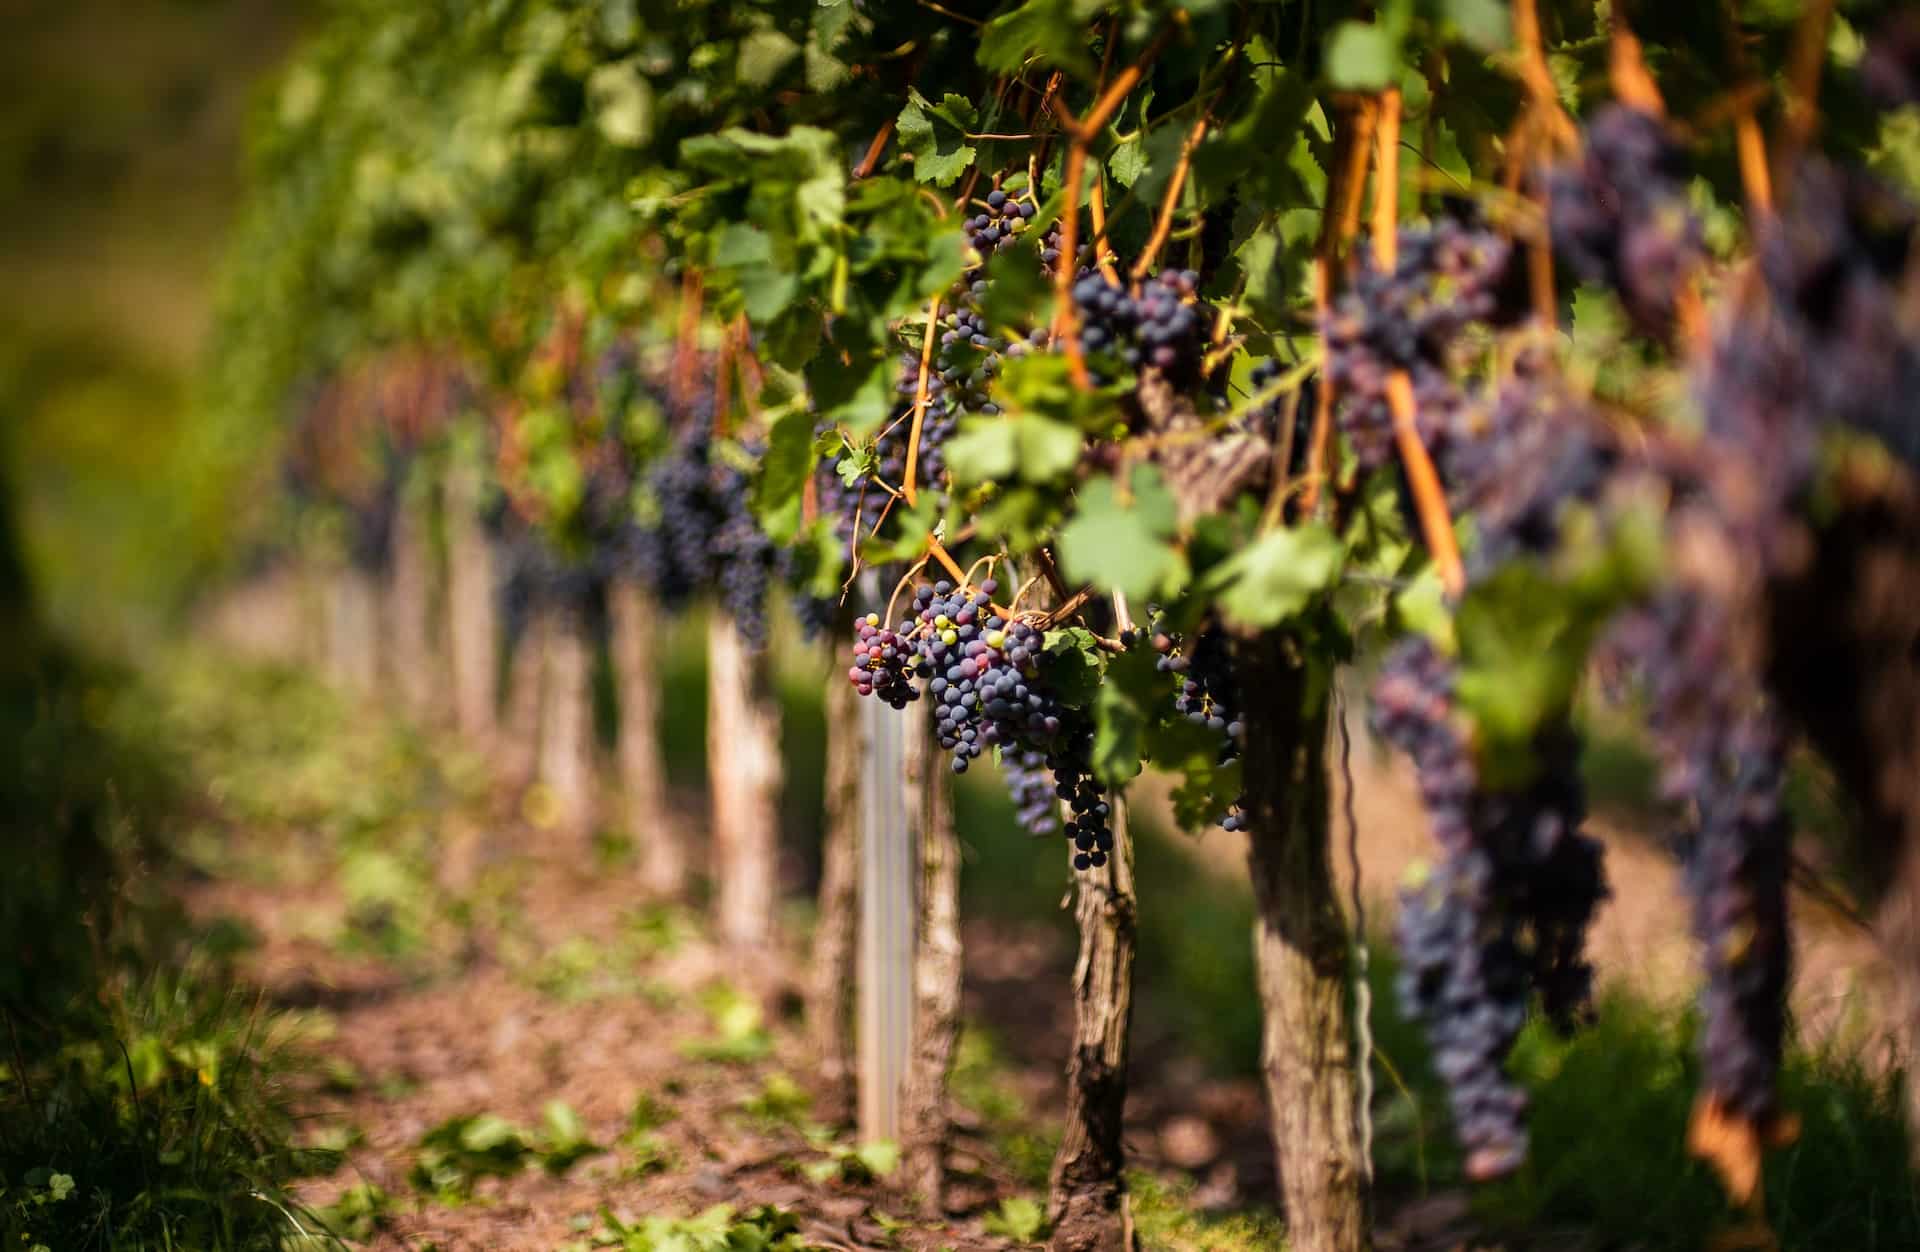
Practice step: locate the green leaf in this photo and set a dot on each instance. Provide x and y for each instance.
(1122, 543)
(1052, 32)
(1020, 1219)
(1482, 23)
(1074, 673)
(936, 136)
(1277, 576)
(880, 1157)
(984, 450)
(1132, 697)
(784, 470)
(622, 103)
(1362, 57)
(1035, 449)
(1128, 162)
(763, 54)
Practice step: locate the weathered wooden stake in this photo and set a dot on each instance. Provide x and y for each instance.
(353, 623)
(1087, 1205)
(831, 995)
(634, 624)
(473, 614)
(518, 743)
(566, 722)
(411, 661)
(743, 767)
(884, 1021)
(1302, 949)
(936, 962)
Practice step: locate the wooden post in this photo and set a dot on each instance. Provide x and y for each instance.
(410, 659)
(1301, 950)
(936, 961)
(566, 722)
(634, 624)
(743, 768)
(830, 1011)
(353, 616)
(884, 1023)
(518, 743)
(473, 614)
(1087, 1205)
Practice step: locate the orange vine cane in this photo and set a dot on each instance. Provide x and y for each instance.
(1430, 502)
(1339, 220)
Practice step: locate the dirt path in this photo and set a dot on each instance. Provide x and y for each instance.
(559, 990)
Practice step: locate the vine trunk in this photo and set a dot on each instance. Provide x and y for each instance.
(1087, 1205)
(936, 965)
(1301, 950)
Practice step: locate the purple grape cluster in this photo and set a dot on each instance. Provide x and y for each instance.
(1207, 694)
(996, 226)
(1737, 872)
(1723, 756)
(984, 672)
(1162, 327)
(1505, 911)
(1447, 276)
(1619, 214)
(1890, 69)
(1539, 451)
(884, 663)
(704, 537)
(1841, 327)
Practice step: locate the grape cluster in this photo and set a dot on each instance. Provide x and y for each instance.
(1619, 215)
(1834, 264)
(884, 663)
(1737, 872)
(703, 535)
(1890, 69)
(1447, 276)
(1162, 327)
(1207, 694)
(996, 226)
(1520, 466)
(1505, 911)
(1723, 755)
(1031, 785)
(984, 672)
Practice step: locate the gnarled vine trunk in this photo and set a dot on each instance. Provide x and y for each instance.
(1845, 660)
(634, 626)
(830, 1008)
(472, 614)
(1087, 1206)
(566, 723)
(936, 964)
(1301, 949)
(743, 774)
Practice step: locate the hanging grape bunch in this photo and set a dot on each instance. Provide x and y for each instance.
(1446, 277)
(984, 671)
(1619, 214)
(1206, 694)
(1162, 327)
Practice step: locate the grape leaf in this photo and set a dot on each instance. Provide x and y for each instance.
(1277, 576)
(1123, 543)
(1362, 57)
(935, 135)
